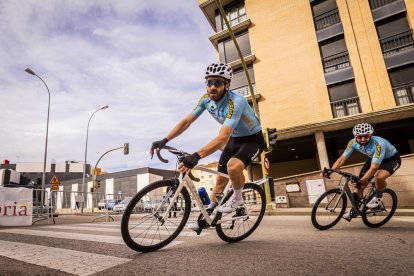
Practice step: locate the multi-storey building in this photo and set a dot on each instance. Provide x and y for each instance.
(318, 68)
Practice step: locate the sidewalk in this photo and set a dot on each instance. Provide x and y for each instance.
(307, 212)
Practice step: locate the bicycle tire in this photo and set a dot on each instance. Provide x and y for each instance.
(252, 193)
(321, 211)
(141, 227)
(374, 218)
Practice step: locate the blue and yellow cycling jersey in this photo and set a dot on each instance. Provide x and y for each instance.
(378, 149)
(233, 111)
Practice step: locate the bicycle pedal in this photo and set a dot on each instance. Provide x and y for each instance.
(241, 211)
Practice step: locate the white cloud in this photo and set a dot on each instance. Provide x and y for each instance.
(145, 59)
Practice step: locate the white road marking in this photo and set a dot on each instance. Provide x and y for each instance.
(74, 236)
(70, 261)
(98, 228)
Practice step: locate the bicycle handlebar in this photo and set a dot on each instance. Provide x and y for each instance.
(347, 175)
(180, 154)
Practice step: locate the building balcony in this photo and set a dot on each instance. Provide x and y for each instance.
(375, 4)
(326, 19)
(346, 107)
(336, 62)
(397, 43)
(249, 59)
(404, 94)
(245, 92)
(337, 68)
(234, 58)
(382, 9)
(241, 26)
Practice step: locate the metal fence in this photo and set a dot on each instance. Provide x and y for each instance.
(379, 3)
(327, 19)
(336, 62)
(397, 43)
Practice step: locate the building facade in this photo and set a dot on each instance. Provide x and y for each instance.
(318, 68)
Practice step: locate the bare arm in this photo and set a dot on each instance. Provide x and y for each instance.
(338, 163)
(217, 143)
(181, 127)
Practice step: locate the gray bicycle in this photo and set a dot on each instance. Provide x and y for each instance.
(331, 205)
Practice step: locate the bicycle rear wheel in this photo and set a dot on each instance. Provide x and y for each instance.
(142, 226)
(328, 209)
(380, 215)
(232, 229)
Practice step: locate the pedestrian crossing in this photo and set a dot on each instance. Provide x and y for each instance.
(73, 261)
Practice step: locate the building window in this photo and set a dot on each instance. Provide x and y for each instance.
(402, 82)
(344, 99)
(228, 51)
(235, 15)
(404, 95)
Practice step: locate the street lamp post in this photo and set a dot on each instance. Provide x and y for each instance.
(30, 71)
(86, 152)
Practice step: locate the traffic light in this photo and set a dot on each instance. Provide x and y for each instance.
(126, 148)
(271, 136)
(98, 184)
(92, 189)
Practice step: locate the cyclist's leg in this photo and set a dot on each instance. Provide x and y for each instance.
(247, 151)
(387, 168)
(221, 181)
(363, 171)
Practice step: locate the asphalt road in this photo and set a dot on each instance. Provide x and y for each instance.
(282, 245)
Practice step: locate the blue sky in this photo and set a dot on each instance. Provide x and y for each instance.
(145, 59)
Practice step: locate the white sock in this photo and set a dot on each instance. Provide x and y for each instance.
(211, 205)
(238, 194)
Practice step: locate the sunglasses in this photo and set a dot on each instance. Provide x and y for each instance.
(363, 136)
(216, 83)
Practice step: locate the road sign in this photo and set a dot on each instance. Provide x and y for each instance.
(55, 188)
(55, 180)
(266, 163)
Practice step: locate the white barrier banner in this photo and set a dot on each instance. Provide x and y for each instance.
(16, 206)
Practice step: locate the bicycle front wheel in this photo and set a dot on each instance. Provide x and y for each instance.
(238, 226)
(328, 209)
(380, 215)
(143, 227)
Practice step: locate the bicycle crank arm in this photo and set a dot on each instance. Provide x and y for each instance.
(233, 219)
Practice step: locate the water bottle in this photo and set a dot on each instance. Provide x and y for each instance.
(204, 196)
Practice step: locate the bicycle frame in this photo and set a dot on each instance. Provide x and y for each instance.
(347, 191)
(185, 181)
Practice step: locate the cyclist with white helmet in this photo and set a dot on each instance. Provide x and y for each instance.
(240, 136)
(384, 161)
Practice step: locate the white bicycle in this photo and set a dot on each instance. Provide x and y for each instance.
(145, 225)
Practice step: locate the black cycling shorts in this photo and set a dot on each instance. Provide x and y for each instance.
(244, 148)
(390, 164)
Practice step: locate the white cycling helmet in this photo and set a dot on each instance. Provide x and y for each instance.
(363, 129)
(219, 69)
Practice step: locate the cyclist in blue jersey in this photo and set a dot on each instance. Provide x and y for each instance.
(240, 136)
(383, 161)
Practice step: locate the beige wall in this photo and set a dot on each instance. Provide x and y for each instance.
(371, 77)
(288, 69)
